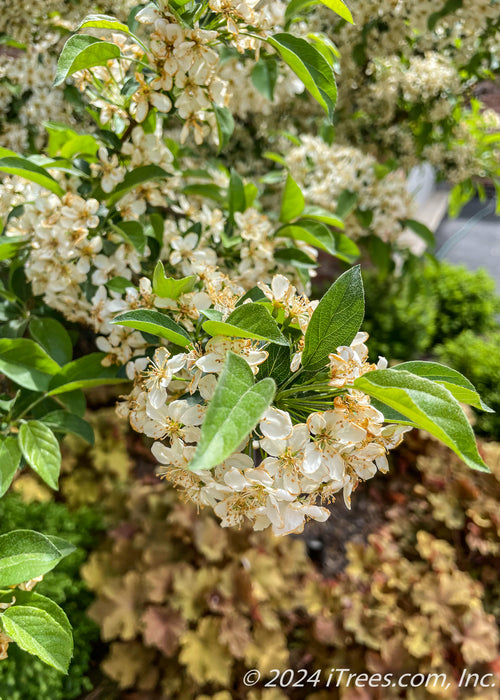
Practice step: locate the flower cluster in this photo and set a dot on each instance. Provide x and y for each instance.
(325, 172)
(288, 468)
(77, 248)
(183, 62)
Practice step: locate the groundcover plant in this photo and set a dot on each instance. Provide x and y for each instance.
(194, 282)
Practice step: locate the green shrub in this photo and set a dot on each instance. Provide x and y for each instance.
(400, 316)
(465, 300)
(478, 358)
(430, 304)
(23, 677)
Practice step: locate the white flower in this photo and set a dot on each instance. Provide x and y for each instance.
(159, 374)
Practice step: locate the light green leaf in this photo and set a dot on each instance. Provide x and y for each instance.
(225, 125)
(10, 457)
(463, 390)
(10, 246)
(83, 373)
(310, 66)
(26, 554)
(68, 143)
(234, 411)
(40, 627)
(323, 215)
(53, 338)
(136, 177)
(248, 321)
(292, 202)
(26, 363)
(41, 450)
(335, 321)
(169, 287)
(156, 323)
(64, 422)
(82, 51)
(337, 6)
(427, 404)
(22, 167)
(318, 235)
(107, 22)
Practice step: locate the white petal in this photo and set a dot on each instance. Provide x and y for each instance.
(276, 424)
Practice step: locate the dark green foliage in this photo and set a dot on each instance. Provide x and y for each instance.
(431, 304)
(465, 300)
(478, 358)
(400, 316)
(23, 677)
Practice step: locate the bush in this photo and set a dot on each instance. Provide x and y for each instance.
(23, 677)
(431, 304)
(400, 316)
(479, 359)
(465, 300)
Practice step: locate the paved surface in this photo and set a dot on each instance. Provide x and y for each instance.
(472, 239)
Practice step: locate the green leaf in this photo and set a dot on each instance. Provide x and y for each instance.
(234, 411)
(40, 627)
(346, 203)
(264, 77)
(119, 284)
(156, 323)
(82, 51)
(103, 22)
(318, 235)
(225, 125)
(458, 385)
(248, 321)
(22, 167)
(10, 457)
(335, 321)
(169, 287)
(10, 246)
(292, 202)
(53, 338)
(337, 6)
(427, 404)
(136, 177)
(421, 230)
(277, 364)
(294, 256)
(449, 7)
(319, 214)
(236, 194)
(310, 66)
(64, 422)
(26, 363)
(67, 143)
(83, 373)
(26, 554)
(41, 450)
(133, 233)
(74, 401)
